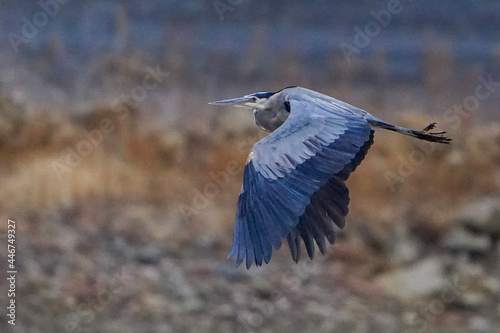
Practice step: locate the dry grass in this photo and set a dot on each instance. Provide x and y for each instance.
(168, 169)
(125, 197)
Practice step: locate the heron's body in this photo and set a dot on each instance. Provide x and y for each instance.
(294, 180)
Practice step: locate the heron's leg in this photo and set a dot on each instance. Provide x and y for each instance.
(423, 134)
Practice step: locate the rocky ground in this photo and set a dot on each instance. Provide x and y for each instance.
(84, 270)
(110, 248)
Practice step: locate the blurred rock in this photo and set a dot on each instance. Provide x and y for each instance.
(459, 239)
(119, 246)
(153, 304)
(149, 255)
(177, 285)
(405, 248)
(482, 216)
(421, 279)
(228, 272)
(406, 252)
(492, 284)
(204, 243)
(472, 287)
(473, 300)
(481, 324)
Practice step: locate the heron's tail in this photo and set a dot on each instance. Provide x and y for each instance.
(424, 134)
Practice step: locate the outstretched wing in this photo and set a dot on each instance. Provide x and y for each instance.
(328, 206)
(319, 140)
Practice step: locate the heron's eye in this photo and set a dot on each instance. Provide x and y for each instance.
(287, 106)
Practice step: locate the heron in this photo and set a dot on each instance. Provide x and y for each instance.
(294, 178)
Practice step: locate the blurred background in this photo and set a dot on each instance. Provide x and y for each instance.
(123, 181)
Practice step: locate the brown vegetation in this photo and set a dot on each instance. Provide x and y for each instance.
(176, 190)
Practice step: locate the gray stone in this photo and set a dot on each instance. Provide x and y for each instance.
(421, 279)
(149, 255)
(459, 239)
(481, 324)
(405, 249)
(483, 216)
(178, 285)
(474, 300)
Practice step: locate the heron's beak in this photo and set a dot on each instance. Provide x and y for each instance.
(242, 102)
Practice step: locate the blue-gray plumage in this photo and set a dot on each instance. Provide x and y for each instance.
(294, 180)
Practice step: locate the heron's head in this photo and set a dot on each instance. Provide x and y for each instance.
(252, 101)
(270, 109)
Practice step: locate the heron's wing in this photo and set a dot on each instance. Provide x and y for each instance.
(328, 206)
(317, 141)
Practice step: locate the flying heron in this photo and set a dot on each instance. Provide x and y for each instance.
(294, 180)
